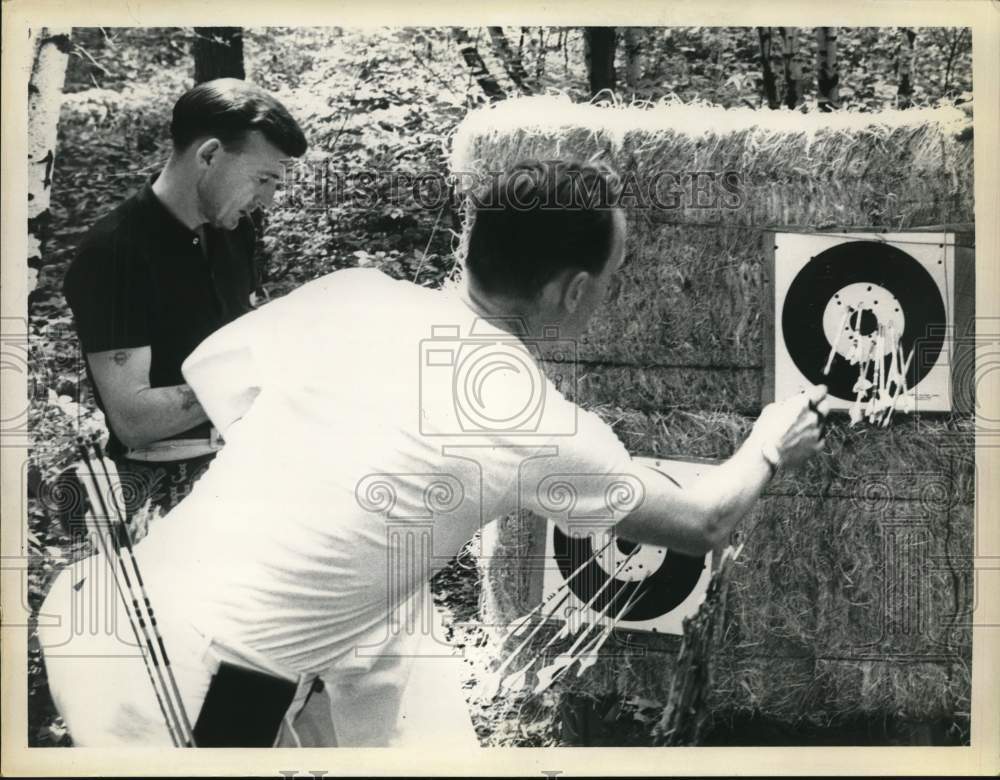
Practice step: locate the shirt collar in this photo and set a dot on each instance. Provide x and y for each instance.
(160, 217)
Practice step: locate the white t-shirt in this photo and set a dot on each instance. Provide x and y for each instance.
(390, 424)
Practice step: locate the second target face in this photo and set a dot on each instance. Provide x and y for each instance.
(645, 587)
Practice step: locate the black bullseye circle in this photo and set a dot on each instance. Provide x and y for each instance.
(869, 323)
(663, 590)
(869, 262)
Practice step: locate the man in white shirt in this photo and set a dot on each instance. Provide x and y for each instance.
(372, 427)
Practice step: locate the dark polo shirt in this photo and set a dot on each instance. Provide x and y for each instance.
(141, 278)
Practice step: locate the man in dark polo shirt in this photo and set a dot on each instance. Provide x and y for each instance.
(168, 267)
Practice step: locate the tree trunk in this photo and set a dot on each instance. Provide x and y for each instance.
(770, 81)
(957, 42)
(50, 46)
(540, 62)
(633, 55)
(218, 53)
(511, 60)
(476, 65)
(599, 50)
(906, 54)
(792, 57)
(827, 74)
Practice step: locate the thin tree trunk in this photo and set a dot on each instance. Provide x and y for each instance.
(218, 53)
(791, 55)
(633, 55)
(906, 54)
(827, 73)
(957, 41)
(511, 60)
(540, 63)
(51, 46)
(476, 65)
(599, 50)
(770, 81)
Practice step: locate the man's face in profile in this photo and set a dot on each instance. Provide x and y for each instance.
(241, 177)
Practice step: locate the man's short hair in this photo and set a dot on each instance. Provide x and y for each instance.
(539, 219)
(228, 109)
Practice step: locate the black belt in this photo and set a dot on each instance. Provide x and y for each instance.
(242, 708)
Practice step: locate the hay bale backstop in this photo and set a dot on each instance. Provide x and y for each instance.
(852, 595)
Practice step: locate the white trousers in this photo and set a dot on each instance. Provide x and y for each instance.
(398, 688)
(95, 669)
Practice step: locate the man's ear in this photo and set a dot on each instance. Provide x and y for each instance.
(574, 290)
(207, 152)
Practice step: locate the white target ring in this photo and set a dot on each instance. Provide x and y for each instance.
(866, 306)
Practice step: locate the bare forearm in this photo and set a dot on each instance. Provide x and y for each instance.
(729, 491)
(685, 529)
(701, 516)
(155, 413)
(137, 413)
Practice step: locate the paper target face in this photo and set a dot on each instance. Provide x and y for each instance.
(833, 295)
(644, 587)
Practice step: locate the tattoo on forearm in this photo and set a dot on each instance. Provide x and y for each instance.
(121, 358)
(188, 399)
